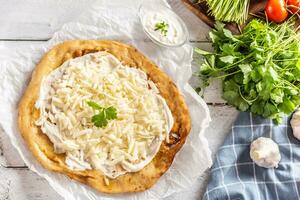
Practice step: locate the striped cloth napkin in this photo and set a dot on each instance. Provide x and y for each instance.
(234, 175)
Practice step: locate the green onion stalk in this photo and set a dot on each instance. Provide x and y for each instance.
(229, 10)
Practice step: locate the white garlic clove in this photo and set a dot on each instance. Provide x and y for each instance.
(295, 123)
(265, 152)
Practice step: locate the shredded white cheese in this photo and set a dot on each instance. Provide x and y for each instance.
(126, 144)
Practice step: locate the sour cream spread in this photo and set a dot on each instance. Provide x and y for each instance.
(126, 144)
(164, 26)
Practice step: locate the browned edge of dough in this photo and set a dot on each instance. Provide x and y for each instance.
(42, 148)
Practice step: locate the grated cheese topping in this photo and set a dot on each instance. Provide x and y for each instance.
(126, 144)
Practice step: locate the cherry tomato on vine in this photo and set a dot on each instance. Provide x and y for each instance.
(293, 5)
(276, 10)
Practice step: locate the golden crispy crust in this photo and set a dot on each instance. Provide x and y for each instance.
(42, 148)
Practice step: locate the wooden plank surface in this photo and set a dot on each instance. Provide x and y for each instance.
(35, 19)
(32, 22)
(23, 184)
(38, 20)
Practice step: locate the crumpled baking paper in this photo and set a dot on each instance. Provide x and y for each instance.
(111, 20)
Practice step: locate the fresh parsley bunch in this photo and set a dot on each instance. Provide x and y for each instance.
(104, 114)
(260, 67)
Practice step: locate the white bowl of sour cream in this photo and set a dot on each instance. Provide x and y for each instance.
(162, 25)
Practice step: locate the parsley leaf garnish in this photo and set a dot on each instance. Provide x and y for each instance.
(162, 26)
(94, 105)
(111, 113)
(104, 114)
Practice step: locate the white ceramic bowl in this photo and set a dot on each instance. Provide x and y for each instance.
(159, 8)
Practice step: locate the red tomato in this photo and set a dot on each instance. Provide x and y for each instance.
(276, 10)
(293, 5)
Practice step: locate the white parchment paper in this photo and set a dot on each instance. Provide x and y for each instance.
(113, 20)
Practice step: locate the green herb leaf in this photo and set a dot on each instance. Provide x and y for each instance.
(110, 113)
(227, 59)
(202, 52)
(298, 65)
(287, 106)
(162, 26)
(269, 109)
(104, 114)
(277, 95)
(246, 69)
(99, 120)
(94, 105)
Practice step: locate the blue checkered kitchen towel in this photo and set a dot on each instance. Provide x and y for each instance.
(234, 175)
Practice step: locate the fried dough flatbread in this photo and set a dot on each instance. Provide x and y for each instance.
(42, 148)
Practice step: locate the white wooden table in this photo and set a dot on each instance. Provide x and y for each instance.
(32, 22)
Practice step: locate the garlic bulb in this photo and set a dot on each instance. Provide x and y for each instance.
(295, 123)
(265, 152)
